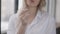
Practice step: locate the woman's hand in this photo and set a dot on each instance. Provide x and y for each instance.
(24, 16)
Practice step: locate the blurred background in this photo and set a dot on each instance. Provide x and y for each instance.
(10, 7)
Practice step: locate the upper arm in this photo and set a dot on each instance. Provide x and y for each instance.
(53, 23)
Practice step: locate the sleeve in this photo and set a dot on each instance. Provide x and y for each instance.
(53, 25)
(11, 25)
(53, 21)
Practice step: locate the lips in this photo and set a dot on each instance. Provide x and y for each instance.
(32, 0)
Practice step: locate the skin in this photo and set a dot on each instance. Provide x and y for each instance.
(27, 16)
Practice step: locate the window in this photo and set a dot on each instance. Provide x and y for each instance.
(8, 8)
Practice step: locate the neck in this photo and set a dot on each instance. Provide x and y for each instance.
(33, 10)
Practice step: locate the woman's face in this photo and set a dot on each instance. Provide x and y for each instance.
(32, 3)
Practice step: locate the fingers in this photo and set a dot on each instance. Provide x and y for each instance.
(23, 15)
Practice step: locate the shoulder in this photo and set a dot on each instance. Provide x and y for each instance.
(51, 18)
(13, 17)
(11, 26)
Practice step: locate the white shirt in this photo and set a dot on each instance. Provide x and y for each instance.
(42, 24)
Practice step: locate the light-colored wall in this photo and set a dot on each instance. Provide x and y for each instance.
(7, 9)
(58, 11)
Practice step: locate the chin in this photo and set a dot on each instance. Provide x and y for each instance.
(33, 5)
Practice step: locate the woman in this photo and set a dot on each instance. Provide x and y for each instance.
(31, 19)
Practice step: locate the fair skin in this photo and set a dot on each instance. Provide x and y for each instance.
(26, 20)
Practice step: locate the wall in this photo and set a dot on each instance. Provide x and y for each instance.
(58, 11)
(7, 9)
